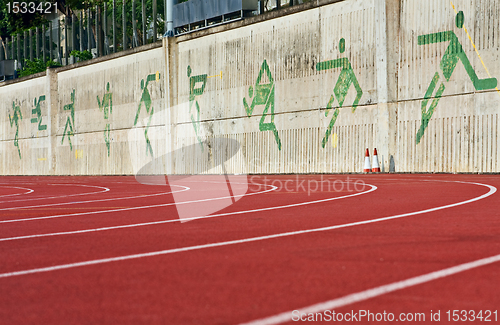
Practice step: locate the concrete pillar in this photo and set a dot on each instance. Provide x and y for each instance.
(52, 98)
(170, 83)
(387, 51)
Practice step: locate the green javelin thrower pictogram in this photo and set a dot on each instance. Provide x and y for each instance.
(263, 94)
(197, 86)
(146, 99)
(451, 56)
(107, 106)
(344, 82)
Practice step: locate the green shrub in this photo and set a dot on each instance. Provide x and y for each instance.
(82, 55)
(35, 66)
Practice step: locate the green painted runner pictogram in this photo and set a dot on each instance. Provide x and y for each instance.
(107, 106)
(344, 82)
(146, 99)
(38, 111)
(70, 121)
(454, 53)
(263, 94)
(195, 89)
(14, 119)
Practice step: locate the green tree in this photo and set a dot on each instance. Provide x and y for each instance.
(12, 23)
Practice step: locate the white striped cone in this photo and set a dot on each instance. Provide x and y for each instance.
(367, 167)
(376, 166)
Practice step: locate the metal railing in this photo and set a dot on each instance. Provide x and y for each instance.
(102, 30)
(96, 30)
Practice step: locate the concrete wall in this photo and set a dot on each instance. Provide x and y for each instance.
(86, 116)
(275, 83)
(25, 136)
(290, 47)
(462, 133)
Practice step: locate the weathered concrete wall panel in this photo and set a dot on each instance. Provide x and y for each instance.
(274, 69)
(107, 98)
(24, 126)
(448, 78)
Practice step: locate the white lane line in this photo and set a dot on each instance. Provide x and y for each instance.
(185, 188)
(375, 292)
(373, 188)
(135, 208)
(247, 240)
(61, 196)
(22, 188)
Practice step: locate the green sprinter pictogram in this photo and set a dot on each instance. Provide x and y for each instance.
(107, 106)
(263, 94)
(14, 119)
(344, 82)
(454, 53)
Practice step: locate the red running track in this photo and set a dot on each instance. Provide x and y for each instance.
(108, 250)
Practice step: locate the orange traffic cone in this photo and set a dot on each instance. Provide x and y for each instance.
(367, 167)
(376, 166)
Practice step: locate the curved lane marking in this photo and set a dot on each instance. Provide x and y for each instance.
(381, 290)
(137, 208)
(61, 196)
(22, 188)
(185, 188)
(375, 292)
(373, 188)
(491, 191)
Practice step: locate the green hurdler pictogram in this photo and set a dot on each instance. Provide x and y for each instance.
(38, 111)
(70, 121)
(193, 92)
(263, 94)
(15, 120)
(344, 82)
(146, 99)
(452, 55)
(107, 106)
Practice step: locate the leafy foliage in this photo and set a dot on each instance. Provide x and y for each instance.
(35, 66)
(82, 55)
